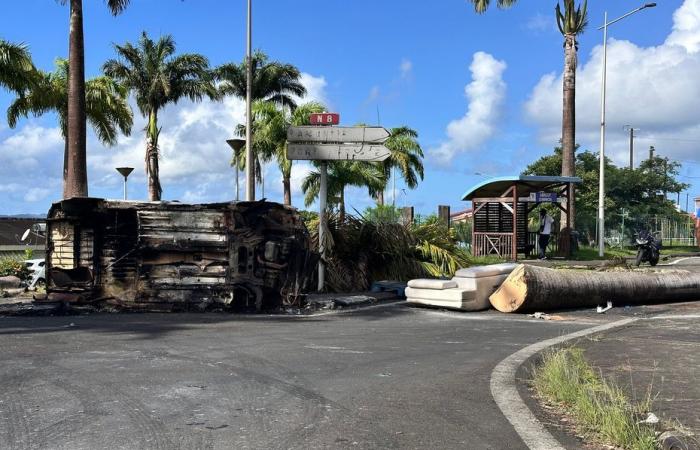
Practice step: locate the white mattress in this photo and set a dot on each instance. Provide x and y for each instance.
(486, 271)
(444, 294)
(432, 284)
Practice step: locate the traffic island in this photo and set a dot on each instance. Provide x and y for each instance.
(618, 386)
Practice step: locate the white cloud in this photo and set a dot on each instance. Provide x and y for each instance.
(652, 88)
(686, 27)
(36, 194)
(315, 89)
(406, 68)
(374, 94)
(485, 95)
(540, 23)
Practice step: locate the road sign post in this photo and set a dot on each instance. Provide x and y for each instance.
(329, 143)
(322, 224)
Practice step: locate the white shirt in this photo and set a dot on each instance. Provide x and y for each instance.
(546, 224)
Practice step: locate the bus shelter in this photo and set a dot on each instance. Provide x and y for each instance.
(501, 207)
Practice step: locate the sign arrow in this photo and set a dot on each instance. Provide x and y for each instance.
(374, 135)
(337, 152)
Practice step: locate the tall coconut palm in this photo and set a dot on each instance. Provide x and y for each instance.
(156, 77)
(76, 184)
(571, 23)
(342, 174)
(16, 68)
(270, 126)
(406, 156)
(482, 5)
(106, 105)
(272, 80)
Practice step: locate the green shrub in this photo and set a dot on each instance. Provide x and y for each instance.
(14, 267)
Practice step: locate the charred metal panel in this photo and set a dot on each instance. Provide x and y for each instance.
(172, 256)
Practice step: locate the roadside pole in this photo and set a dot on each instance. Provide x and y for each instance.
(322, 224)
(323, 142)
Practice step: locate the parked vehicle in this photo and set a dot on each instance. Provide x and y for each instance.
(37, 271)
(648, 247)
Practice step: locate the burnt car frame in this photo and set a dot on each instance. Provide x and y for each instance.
(170, 256)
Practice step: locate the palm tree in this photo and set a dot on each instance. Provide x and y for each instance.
(406, 156)
(156, 77)
(342, 174)
(482, 5)
(106, 106)
(270, 125)
(75, 183)
(571, 23)
(16, 68)
(272, 80)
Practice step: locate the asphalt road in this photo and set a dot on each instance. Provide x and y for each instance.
(393, 377)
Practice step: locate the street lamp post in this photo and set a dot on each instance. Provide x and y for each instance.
(601, 184)
(236, 145)
(125, 172)
(249, 164)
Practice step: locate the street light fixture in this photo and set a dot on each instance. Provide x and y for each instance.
(601, 185)
(125, 172)
(236, 145)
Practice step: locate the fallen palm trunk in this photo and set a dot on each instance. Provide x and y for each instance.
(531, 288)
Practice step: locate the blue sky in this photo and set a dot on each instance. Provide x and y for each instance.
(482, 91)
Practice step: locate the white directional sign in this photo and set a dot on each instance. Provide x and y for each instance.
(375, 135)
(334, 152)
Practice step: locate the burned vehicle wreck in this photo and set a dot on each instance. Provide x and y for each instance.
(169, 256)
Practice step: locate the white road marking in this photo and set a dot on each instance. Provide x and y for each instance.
(679, 260)
(505, 392)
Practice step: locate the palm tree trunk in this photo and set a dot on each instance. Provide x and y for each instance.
(152, 170)
(75, 180)
(341, 214)
(568, 134)
(287, 187)
(531, 288)
(380, 198)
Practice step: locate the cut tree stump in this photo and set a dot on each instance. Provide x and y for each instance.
(530, 288)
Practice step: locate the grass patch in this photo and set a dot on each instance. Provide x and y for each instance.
(586, 253)
(564, 378)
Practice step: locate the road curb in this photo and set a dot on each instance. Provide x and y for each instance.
(505, 392)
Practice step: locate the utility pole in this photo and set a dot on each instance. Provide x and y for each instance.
(651, 152)
(631, 130)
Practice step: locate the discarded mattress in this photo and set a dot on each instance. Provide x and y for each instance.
(469, 289)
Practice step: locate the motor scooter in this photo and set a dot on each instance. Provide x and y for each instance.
(648, 247)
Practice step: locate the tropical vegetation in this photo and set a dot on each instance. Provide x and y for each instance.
(481, 6)
(16, 67)
(406, 157)
(76, 184)
(273, 81)
(106, 106)
(362, 249)
(156, 77)
(342, 174)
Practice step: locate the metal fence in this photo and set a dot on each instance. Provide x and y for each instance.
(673, 231)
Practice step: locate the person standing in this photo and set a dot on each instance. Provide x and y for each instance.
(545, 231)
